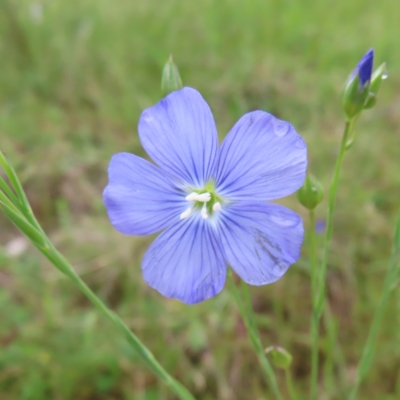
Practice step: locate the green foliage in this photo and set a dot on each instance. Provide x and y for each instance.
(75, 76)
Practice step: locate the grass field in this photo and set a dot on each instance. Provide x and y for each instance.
(74, 78)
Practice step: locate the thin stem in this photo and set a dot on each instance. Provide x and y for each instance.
(247, 313)
(335, 350)
(289, 384)
(10, 194)
(369, 347)
(12, 176)
(21, 215)
(21, 201)
(314, 318)
(63, 265)
(318, 278)
(18, 219)
(313, 255)
(329, 219)
(334, 357)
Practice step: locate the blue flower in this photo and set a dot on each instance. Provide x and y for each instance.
(364, 68)
(210, 201)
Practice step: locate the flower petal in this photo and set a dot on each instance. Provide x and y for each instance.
(262, 158)
(364, 67)
(260, 240)
(179, 134)
(140, 198)
(186, 262)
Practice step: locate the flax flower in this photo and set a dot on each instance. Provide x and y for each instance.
(211, 202)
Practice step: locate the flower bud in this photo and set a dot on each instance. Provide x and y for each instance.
(279, 357)
(170, 80)
(356, 89)
(377, 77)
(311, 193)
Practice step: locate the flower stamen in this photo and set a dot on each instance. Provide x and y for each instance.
(186, 213)
(203, 212)
(203, 197)
(217, 206)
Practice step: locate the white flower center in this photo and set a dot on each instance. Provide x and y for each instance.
(204, 198)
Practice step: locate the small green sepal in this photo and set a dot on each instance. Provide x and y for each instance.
(354, 96)
(171, 79)
(378, 76)
(311, 193)
(279, 357)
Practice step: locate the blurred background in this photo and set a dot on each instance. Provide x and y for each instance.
(74, 78)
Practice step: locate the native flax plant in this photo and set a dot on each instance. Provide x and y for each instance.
(15, 204)
(213, 200)
(359, 93)
(210, 202)
(354, 97)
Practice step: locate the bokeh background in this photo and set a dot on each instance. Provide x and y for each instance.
(74, 78)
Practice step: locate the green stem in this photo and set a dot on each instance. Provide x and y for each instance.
(10, 194)
(391, 276)
(313, 255)
(20, 200)
(18, 210)
(318, 278)
(246, 310)
(63, 265)
(12, 176)
(335, 352)
(19, 220)
(314, 318)
(289, 384)
(334, 356)
(329, 220)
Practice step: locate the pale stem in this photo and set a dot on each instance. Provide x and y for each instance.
(247, 313)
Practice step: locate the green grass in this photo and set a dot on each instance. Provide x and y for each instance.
(72, 86)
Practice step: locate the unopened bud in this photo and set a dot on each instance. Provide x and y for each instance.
(311, 193)
(171, 79)
(356, 89)
(279, 357)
